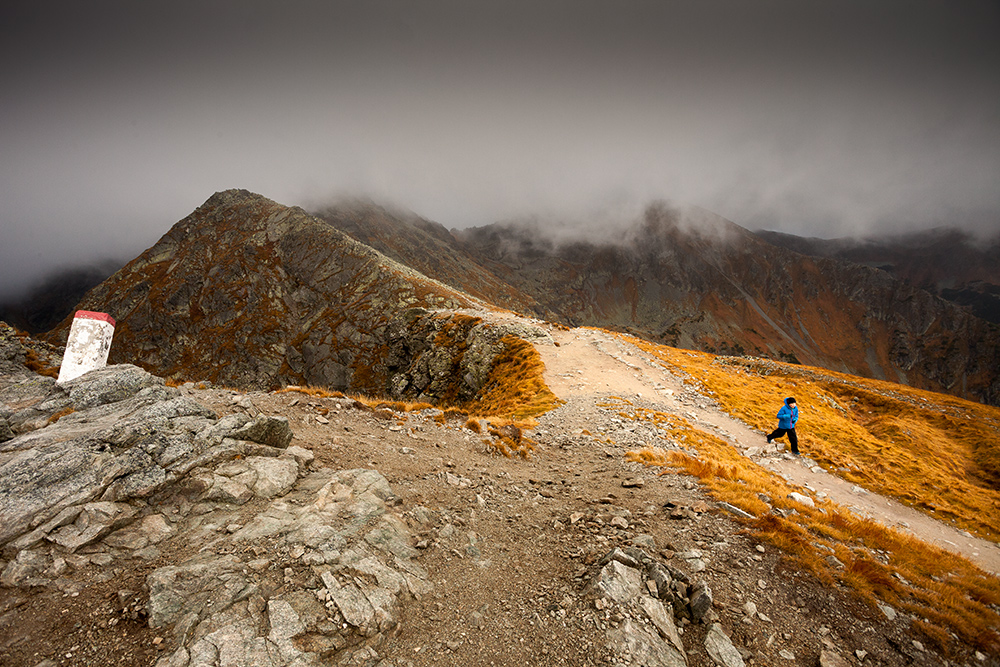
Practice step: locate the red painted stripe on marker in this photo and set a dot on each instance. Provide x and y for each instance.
(91, 315)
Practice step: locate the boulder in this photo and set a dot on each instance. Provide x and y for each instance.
(721, 649)
(270, 431)
(617, 583)
(639, 646)
(109, 385)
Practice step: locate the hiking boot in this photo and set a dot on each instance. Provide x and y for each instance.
(769, 441)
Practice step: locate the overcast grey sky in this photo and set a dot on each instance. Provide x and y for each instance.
(815, 118)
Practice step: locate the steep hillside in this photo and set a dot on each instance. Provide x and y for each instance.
(692, 279)
(252, 294)
(427, 247)
(946, 262)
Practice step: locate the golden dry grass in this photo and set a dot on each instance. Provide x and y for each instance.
(514, 388)
(60, 414)
(934, 452)
(945, 592)
(509, 439)
(35, 363)
(318, 392)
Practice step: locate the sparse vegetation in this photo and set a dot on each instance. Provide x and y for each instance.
(317, 392)
(945, 592)
(34, 363)
(60, 414)
(515, 387)
(934, 452)
(509, 439)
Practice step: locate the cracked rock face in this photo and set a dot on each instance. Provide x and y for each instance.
(644, 597)
(338, 601)
(128, 437)
(316, 574)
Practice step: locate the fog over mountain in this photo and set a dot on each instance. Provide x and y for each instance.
(819, 119)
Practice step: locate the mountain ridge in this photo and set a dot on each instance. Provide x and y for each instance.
(687, 278)
(250, 293)
(693, 279)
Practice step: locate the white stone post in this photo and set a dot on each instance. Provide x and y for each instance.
(88, 345)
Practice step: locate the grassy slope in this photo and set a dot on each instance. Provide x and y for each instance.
(935, 452)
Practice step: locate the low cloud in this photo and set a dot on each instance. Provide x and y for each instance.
(823, 120)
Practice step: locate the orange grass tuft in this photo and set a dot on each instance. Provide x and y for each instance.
(34, 363)
(509, 439)
(318, 392)
(514, 387)
(59, 415)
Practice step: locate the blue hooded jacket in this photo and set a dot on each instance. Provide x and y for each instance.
(788, 415)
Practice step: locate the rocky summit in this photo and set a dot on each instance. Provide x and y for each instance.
(252, 294)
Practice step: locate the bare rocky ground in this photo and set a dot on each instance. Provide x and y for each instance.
(492, 561)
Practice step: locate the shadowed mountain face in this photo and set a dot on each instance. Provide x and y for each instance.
(45, 305)
(946, 262)
(692, 279)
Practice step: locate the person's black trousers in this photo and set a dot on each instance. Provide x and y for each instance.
(792, 438)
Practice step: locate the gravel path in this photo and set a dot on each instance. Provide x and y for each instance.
(588, 362)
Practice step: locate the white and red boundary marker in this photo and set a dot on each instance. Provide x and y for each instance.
(88, 344)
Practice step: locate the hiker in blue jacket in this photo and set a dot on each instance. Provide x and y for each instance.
(788, 416)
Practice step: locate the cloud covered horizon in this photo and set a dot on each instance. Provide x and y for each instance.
(818, 119)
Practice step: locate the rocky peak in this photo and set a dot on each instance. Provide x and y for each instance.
(253, 294)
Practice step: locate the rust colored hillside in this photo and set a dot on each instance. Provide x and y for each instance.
(252, 294)
(694, 280)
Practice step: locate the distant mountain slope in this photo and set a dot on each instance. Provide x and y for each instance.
(692, 279)
(48, 302)
(427, 247)
(946, 262)
(250, 293)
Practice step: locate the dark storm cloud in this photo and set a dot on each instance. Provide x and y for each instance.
(119, 118)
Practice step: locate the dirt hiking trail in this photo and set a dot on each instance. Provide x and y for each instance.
(588, 362)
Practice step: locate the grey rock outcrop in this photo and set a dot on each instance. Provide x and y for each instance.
(721, 648)
(316, 570)
(339, 599)
(646, 595)
(124, 436)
